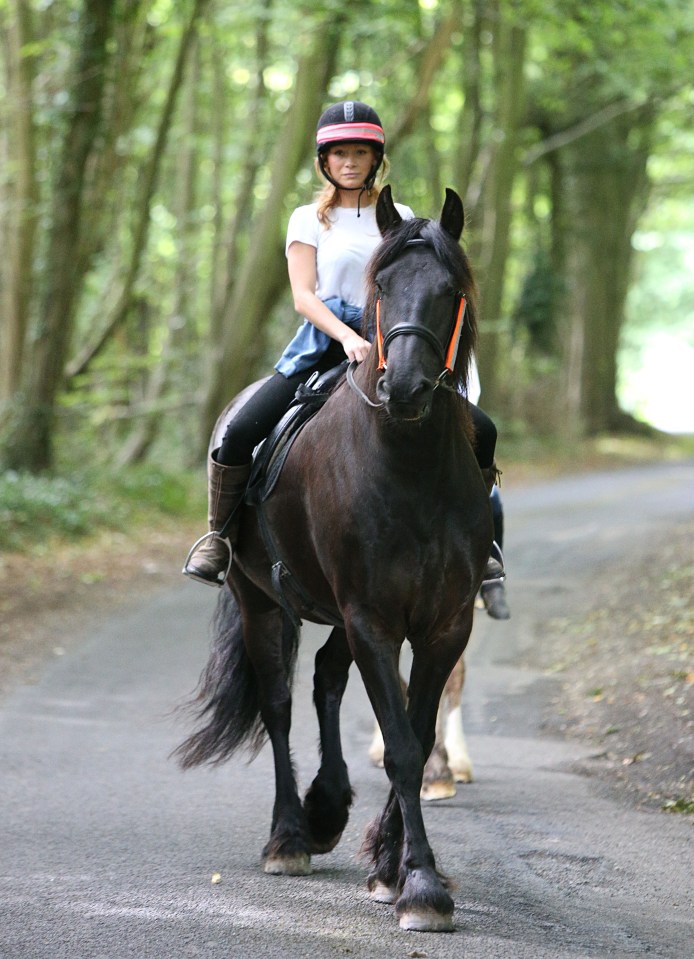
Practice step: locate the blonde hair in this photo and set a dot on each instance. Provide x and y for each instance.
(327, 197)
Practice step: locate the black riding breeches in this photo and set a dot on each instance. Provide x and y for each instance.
(485, 436)
(265, 408)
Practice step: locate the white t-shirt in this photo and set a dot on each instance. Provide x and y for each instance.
(343, 250)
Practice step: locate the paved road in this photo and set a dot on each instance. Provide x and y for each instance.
(107, 850)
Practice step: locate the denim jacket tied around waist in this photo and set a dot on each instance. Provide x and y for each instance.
(309, 343)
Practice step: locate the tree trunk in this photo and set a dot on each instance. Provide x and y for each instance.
(21, 200)
(227, 247)
(431, 59)
(491, 264)
(263, 273)
(159, 381)
(606, 191)
(470, 123)
(149, 182)
(29, 444)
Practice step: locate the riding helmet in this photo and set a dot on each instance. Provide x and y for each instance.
(350, 121)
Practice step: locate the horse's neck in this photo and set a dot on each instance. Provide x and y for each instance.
(433, 447)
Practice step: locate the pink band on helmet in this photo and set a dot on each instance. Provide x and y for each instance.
(340, 132)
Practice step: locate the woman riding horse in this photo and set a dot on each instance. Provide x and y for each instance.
(380, 524)
(328, 245)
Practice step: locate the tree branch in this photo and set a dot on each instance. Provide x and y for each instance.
(580, 129)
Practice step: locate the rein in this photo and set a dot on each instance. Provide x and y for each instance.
(358, 390)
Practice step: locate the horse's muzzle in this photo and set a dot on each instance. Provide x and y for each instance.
(405, 401)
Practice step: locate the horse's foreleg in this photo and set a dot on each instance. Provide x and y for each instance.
(419, 905)
(378, 747)
(397, 842)
(267, 639)
(329, 797)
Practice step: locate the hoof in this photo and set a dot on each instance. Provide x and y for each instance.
(437, 790)
(299, 865)
(319, 848)
(463, 774)
(382, 893)
(426, 920)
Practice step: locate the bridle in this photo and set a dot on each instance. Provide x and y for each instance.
(447, 358)
(446, 355)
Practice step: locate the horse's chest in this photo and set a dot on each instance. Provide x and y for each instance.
(412, 532)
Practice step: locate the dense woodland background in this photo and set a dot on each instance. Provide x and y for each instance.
(152, 150)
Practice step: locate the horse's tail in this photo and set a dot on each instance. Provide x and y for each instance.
(227, 698)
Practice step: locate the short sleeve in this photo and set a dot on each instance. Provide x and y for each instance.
(303, 227)
(404, 211)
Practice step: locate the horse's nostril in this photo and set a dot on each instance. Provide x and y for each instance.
(382, 390)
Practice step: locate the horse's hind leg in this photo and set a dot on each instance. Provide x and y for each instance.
(328, 800)
(271, 642)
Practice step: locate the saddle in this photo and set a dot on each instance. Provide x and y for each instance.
(269, 457)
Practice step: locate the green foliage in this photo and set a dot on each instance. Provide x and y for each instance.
(581, 58)
(535, 312)
(680, 805)
(34, 509)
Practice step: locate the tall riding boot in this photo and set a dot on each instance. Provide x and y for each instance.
(210, 558)
(494, 571)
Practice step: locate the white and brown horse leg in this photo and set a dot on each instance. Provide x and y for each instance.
(438, 781)
(329, 798)
(459, 761)
(449, 762)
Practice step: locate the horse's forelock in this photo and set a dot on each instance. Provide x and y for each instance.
(446, 249)
(392, 245)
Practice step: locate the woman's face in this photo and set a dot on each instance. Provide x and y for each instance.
(349, 164)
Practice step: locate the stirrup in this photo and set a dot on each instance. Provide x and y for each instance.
(496, 556)
(201, 579)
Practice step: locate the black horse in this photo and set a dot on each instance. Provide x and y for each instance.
(383, 526)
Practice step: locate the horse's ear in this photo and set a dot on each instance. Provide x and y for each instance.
(386, 215)
(453, 215)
